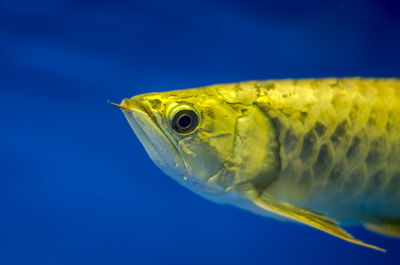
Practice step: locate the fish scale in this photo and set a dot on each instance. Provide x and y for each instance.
(336, 136)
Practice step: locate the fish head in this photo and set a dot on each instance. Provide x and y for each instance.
(189, 134)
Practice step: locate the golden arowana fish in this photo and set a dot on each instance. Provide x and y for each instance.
(320, 152)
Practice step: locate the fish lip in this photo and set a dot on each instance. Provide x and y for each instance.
(133, 105)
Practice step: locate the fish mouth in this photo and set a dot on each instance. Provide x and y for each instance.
(162, 150)
(157, 145)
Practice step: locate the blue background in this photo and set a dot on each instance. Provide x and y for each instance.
(76, 186)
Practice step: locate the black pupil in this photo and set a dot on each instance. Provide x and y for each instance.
(184, 121)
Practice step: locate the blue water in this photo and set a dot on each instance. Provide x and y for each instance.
(76, 186)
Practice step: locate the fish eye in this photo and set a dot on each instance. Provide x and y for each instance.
(184, 121)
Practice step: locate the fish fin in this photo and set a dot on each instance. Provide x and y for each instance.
(310, 218)
(392, 230)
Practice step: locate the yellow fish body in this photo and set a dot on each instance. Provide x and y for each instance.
(320, 152)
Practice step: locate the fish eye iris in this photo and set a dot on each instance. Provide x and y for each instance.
(185, 121)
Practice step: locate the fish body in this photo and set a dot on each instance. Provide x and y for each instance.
(321, 152)
(339, 146)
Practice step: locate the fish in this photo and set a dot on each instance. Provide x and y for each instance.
(320, 152)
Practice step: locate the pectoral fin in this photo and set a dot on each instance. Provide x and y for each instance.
(392, 230)
(310, 218)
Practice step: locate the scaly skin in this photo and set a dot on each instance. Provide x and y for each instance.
(339, 145)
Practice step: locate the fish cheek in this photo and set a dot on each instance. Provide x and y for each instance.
(202, 160)
(207, 150)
